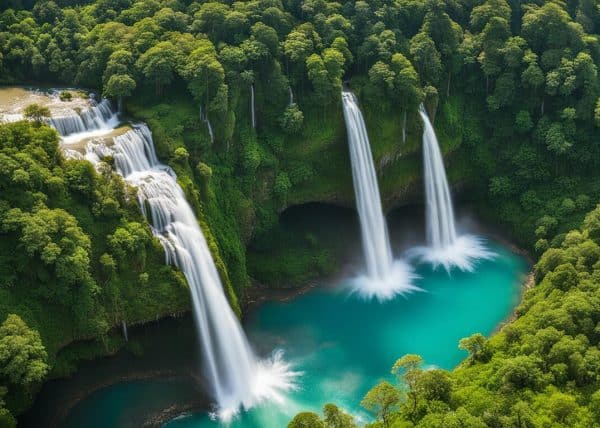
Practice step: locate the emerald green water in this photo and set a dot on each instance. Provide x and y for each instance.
(342, 344)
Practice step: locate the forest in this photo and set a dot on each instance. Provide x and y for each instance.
(511, 87)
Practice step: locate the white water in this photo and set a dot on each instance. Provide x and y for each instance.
(441, 230)
(238, 380)
(99, 119)
(204, 117)
(376, 243)
(125, 333)
(252, 110)
(211, 134)
(385, 278)
(291, 96)
(74, 121)
(445, 246)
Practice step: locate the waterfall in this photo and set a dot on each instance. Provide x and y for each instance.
(237, 378)
(204, 117)
(445, 246)
(100, 116)
(124, 327)
(291, 93)
(441, 231)
(386, 278)
(211, 134)
(375, 239)
(252, 111)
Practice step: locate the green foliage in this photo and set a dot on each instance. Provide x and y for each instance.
(292, 119)
(180, 155)
(76, 257)
(6, 418)
(36, 112)
(22, 354)
(540, 370)
(306, 420)
(119, 85)
(512, 89)
(65, 96)
(382, 401)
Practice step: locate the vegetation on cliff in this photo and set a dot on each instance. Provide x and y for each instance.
(513, 87)
(76, 257)
(541, 370)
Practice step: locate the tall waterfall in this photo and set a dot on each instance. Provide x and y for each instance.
(441, 231)
(376, 243)
(237, 378)
(252, 110)
(385, 277)
(445, 247)
(291, 96)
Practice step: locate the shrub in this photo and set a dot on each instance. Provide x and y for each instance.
(65, 96)
(180, 155)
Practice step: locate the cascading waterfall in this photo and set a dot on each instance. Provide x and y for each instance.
(100, 116)
(385, 278)
(252, 110)
(237, 378)
(445, 246)
(291, 96)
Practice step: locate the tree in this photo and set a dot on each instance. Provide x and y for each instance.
(382, 400)
(434, 385)
(292, 119)
(306, 420)
(6, 419)
(336, 418)
(426, 58)
(158, 65)
(383, 77)
(119, 86)
(204, 73)
(476, 346)
(22, 354)
(325, 73)
(37, 113)
(119, 62)
(210, 19)
(267, 36)
(556, 140)
(408, 371)
(128, 243)
(53, 236)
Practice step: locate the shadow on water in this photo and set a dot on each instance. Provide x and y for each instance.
(164, 351)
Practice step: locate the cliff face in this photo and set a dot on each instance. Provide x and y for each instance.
(239, 185)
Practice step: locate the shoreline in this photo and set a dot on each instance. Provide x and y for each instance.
(62, 414)
(256, 296)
